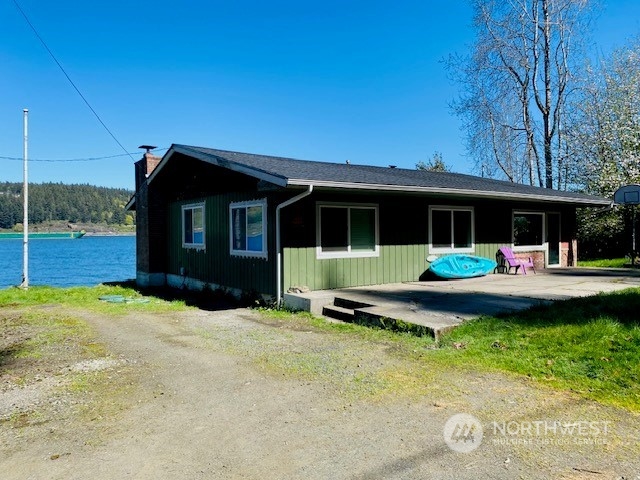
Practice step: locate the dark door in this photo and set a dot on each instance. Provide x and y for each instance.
(553, 238)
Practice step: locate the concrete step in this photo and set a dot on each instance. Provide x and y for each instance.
(339, 313)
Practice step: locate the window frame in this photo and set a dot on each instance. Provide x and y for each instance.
(528, 248)
(263, 253)
(349, 253)
(194, 245)
(452, 248)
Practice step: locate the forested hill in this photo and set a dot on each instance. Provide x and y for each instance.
(59, 202)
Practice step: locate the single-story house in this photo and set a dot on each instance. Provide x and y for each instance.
(262, 224)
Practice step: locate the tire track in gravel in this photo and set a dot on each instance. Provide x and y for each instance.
(200, 412)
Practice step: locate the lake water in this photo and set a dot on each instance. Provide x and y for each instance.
(65, 262)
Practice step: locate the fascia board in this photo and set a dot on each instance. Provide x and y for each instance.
(219, 162)
(452, 192)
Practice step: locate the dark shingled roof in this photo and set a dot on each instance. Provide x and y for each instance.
(287, 172)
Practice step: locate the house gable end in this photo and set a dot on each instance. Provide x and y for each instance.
(180, 152)
(187, 178)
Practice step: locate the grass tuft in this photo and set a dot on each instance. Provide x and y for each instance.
(589, 345)
(87, 298)
(604, 263)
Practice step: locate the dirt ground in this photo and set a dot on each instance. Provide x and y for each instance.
(234, 394)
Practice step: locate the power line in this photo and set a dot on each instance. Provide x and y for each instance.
(87, 159)
(69, 78)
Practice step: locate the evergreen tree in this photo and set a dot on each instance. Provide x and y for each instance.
(60, 202)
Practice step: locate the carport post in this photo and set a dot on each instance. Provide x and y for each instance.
(278, 242)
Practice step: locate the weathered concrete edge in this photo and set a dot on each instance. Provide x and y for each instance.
(378, 316)
(308, 303)
(381, 317)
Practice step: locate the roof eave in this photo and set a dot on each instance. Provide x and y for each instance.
(219, 162)
(131, 204)
(282, 181)
(453, 192)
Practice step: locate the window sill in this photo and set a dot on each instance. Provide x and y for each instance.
(244, 254)
(529, 248)
(193, 246)
(451, 250)
(327, 255)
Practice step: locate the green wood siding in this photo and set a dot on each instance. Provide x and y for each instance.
(488, 250)
(215, 264)
(403, 239)
(404, 243)
(396, 263)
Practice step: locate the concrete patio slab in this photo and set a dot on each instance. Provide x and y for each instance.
(438, 306)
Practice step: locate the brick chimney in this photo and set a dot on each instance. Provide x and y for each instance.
(146, 165)
(150, 224)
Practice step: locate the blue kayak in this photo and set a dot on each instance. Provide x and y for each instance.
(462, 266)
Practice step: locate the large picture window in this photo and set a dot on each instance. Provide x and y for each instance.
(451, 229)
(248, 228)
(528, 229)
(347, 231)
(193, 226)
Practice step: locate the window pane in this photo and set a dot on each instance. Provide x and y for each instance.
(254, 229)
(187, 223)
(527, 229)
(333, 229)
(239, 227)
(461, 228)
(441, 228)
(197, 218)
(363, 229)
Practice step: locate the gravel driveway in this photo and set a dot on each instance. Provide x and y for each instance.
(233, 394)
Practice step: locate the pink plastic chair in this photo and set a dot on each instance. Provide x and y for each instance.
(511, 261)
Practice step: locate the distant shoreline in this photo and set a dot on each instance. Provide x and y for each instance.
(90, 229)
(110, 234)
(87, 233)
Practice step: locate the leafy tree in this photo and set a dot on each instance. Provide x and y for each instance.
(435, 164)
(605, 140)
(517, 83)
(606, 128)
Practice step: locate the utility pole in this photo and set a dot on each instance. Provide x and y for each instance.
(25, 192)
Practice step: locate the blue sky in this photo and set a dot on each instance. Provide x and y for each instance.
(332, 80)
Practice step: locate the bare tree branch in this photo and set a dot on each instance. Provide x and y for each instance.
(517, 82)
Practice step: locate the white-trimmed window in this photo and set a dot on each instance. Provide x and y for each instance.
(528, 229)
(193, 226)
(451, 229)
(248, 228)
(347, 230)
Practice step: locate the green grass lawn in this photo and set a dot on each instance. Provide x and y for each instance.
(588, 345)
(87, 298)
(604, 263)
